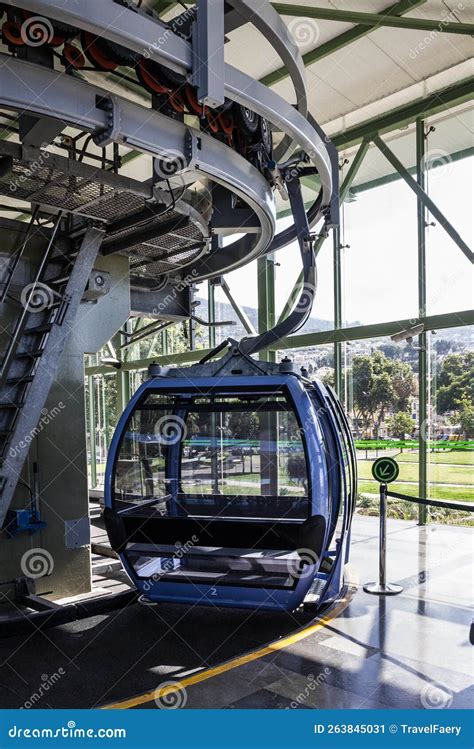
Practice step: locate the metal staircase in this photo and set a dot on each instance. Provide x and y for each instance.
(35, 337)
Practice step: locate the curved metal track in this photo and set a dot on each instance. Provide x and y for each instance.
(75, 102)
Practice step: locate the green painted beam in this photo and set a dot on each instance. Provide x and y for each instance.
(357, 333)
(446, 25)
(266, 299)
(377, 330)
(161, 6)
(395, 176)
(342, 40)
(425, 106)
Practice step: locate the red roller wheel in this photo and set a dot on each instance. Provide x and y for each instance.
(226, 123)
(11, 33)
(73, 56)
(191, 100)
(95, 54)
(148, 73)
(176, 101)
(40, 31)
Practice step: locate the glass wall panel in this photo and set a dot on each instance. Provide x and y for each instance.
(450, 184)
(450, 426)
(379, 246)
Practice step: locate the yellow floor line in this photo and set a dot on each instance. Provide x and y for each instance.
(254, 655)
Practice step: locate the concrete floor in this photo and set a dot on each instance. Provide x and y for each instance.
(406, 651)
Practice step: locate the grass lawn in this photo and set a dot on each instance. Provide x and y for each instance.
(461, 457)
(439, 473)
(460, 493)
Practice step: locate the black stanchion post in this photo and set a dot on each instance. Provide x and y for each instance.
(382, 588)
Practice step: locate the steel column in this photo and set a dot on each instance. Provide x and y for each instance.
(422, 353)
(336, 238)
(92, 425)
(123, 375)
(266, 300)
(211, 313)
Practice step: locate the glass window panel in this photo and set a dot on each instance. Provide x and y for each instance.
(379, 239)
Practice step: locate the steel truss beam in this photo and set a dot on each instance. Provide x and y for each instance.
(341, 41)
(445, 25)
(237, 309)
(357, 333)
(426, 106)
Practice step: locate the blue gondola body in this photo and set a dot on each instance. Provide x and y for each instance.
(191, 525)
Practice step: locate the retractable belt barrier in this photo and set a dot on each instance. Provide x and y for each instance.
(386, 470)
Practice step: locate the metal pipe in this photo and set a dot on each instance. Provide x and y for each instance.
(383, 536)
(382, 588)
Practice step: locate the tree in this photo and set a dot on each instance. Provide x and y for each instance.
(328, 378)
(466, 419)
(380, 384)
(244, 424)
(455, 382)
(400, 424)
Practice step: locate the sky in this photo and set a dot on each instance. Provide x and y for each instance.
(380, 276)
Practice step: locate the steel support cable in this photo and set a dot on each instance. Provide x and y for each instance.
(297, 318)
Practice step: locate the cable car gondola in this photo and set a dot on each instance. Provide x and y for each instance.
(232, 482)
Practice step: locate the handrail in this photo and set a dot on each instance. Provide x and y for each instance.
(435, 502)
